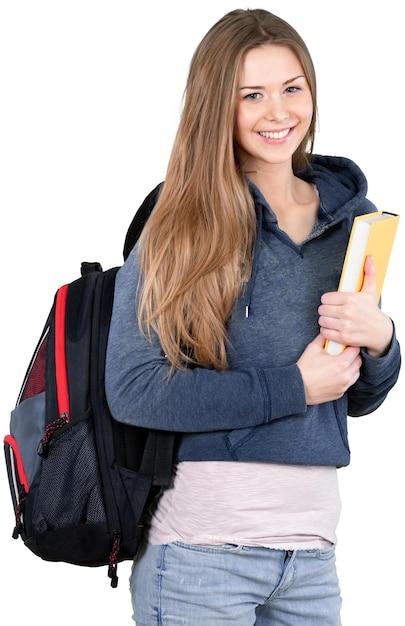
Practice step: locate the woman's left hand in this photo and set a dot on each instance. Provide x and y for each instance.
(355, 319)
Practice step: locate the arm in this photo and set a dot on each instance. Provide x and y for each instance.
(355, 319)
(378, 376)
(140, 392)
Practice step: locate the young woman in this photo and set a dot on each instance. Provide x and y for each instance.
(220, 318)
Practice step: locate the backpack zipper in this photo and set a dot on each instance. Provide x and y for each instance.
(62, 387)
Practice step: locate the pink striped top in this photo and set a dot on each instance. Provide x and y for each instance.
(255, 504)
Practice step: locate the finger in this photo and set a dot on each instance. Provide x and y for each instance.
(319, 340)
(370, 276)
(329, 310)
(351, 354)
(336, 298)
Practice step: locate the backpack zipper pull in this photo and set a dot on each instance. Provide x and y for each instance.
(18, 512)
(113, 560)
(43, 445)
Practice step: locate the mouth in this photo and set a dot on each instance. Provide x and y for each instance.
(275, 134)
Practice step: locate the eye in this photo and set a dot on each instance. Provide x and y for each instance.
(253, 96)
(293, 89)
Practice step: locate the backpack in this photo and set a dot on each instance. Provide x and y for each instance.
(80, 481)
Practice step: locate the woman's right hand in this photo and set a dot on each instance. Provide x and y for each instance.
(327, 377)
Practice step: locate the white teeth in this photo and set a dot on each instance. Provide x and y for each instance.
(275, 135)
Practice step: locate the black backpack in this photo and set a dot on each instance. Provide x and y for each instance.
(80, 481)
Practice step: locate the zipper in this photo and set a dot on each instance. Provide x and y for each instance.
(62, 387)
(113, 559)
(288, 554)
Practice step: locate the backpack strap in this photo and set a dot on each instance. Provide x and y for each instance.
(157, 458)
(87, 267)
(159, 448)
(140, 219)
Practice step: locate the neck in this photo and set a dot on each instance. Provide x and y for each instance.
(277, 183)
(294, 201)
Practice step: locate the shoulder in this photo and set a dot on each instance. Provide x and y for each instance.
(128, 277)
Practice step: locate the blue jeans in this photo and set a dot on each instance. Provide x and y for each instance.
(213, 585)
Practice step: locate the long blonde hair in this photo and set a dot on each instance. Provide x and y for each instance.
(197, 247)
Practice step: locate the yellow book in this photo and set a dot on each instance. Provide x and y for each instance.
(371, 234)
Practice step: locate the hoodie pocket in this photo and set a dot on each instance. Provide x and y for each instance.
(237, 438)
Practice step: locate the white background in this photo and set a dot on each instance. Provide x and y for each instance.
(90, 99)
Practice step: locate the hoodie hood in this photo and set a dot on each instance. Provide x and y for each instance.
(342, 189)
(341, 185)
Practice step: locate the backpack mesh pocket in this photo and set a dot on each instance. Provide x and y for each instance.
(69, 490)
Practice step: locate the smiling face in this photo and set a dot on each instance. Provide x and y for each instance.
(274, 107)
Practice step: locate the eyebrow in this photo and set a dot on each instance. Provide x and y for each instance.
(287, 82)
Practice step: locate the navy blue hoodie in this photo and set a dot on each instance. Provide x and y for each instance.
(256, 409)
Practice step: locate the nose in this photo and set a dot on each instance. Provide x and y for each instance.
(276, 110)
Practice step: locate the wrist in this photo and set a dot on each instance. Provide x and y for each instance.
(382, 339)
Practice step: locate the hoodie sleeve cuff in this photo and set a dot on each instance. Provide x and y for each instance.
(285, 390)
